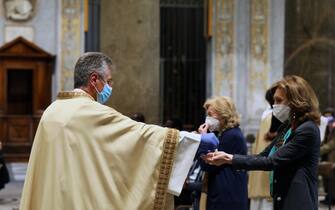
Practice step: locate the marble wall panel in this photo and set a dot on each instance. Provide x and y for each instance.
(247, 49)
(310, 46)
(130, 35)
(71, 40)
(224, 48)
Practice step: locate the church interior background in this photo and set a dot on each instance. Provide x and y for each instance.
(170, 55)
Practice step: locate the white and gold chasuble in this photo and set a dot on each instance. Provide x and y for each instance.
(87, 156)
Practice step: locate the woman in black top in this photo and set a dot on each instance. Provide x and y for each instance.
(293, 155)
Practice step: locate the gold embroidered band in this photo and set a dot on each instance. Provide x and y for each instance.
(169, 149)
(72, 94)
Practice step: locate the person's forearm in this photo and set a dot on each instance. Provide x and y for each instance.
(251, 162)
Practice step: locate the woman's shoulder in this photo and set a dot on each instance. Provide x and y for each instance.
(308, 128)
(308, 125)
(233, 132)
(234, 137)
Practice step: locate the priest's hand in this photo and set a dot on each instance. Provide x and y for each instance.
(209, 143)
(218, 158)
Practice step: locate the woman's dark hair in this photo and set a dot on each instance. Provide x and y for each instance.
(270, 93)
(301, 97)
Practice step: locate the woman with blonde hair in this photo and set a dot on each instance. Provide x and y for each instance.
(227, 188)
(293, 155)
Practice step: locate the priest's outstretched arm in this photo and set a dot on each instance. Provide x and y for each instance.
(190, 145)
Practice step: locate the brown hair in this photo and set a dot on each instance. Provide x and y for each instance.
(225, 109)
(301, 98)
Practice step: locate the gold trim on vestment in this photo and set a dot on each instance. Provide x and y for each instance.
(169, 149)
(73, 94)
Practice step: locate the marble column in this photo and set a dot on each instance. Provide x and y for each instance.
(71, 41)
(224, 48)
(258, 69)
(247, 54)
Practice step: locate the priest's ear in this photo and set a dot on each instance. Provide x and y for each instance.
(93, 78)
(93, 85)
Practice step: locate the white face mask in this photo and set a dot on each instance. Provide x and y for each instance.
(281, 112)
(213, 123)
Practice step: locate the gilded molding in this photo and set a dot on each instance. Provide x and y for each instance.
(70, 40)
(224, 47)
(73, 94)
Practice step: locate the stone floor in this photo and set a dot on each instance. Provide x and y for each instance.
(10, 195)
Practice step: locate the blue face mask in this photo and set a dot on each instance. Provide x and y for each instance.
(103, 96)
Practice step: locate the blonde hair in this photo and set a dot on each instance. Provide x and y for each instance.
(226, 110)
(301, 98)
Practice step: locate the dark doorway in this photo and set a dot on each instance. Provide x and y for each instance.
(19, 92)
(310, 45)
(183, 61)
(92, 32)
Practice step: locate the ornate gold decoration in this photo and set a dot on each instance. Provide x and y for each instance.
(70, 41)
(259, 64)
(169, 149)
(224, 47)
(72, 94)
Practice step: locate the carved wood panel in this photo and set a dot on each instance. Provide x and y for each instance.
(25, 92)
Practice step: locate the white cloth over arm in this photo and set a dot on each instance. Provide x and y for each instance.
(322, 127)
(187, 147)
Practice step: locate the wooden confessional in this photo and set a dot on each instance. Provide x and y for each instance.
(25, 92)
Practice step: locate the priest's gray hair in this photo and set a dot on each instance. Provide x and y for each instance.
(87, 64)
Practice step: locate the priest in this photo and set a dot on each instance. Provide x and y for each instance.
(88, 156)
